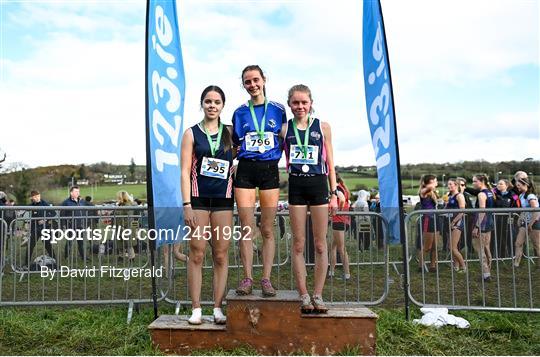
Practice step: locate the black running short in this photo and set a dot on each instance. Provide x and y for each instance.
(257, 174)
(212, 204)
(308, 190)
(339, 226)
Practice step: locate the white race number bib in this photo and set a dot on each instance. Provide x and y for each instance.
(296, 156)
(255, 143)
(215, 168)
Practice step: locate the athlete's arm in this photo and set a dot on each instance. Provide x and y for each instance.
(234, 148)
(535, 215)
(283, 131)
(482, 198)
(461, 205)
(327, 131)
(426, 190)
(185, 179)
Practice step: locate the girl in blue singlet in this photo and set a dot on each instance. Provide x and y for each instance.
(529, 223)
(428, 201)
(207, 157)
(256, 128)
(483, 224)
(456, 200)
(310, 163)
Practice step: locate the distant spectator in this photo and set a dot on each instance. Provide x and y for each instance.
(456, 200)
(92, 216)
(3, 233)
(529, 223)
(361, 203)
(483, 224)
(504, 230)
(40, 219)
(467, 233)
(123, 199)
(428, 201)
(74, 219)
(518, 175)
(339, 225)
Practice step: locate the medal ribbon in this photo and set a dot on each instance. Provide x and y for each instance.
(259, 130)
(213, 146)
(303, 146)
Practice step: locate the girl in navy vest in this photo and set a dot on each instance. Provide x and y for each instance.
(207, 157)
(428, 201)
(256, 128)
(529, 222)
(483, 224)
(456, 200)
(310, 163)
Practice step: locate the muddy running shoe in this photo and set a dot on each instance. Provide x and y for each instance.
(267, 288)
(307, 306)
(245, 287)
(219, 318)
(318, 304)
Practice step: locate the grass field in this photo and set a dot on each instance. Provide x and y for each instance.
(103, 331)
(100, 194)
(105, 193)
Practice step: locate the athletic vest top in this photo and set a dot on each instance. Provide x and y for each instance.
(487, 221)
(343, 219)
(453, 202)
(427, 203)
(317, 152)
(525, 203)
(205, 186)
(243, 124)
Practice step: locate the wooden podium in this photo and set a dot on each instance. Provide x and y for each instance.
(272, 326)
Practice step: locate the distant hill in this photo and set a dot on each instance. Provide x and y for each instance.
(57, 178)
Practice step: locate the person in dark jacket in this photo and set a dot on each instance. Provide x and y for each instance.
(468, 193)
(74, 219)
(504, 230)
(3, 232)
(40, 219)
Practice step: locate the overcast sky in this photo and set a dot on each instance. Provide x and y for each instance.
(466, 74)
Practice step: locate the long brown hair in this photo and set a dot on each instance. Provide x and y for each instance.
(341, 182)
(226, 134)
(424, 181)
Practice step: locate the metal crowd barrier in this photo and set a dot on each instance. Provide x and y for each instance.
(509, 288)
(74, 270)
(368, 283)
(85, 269)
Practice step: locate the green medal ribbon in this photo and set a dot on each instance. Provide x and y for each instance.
(254, 118)
(213, 147)
(303, 146)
